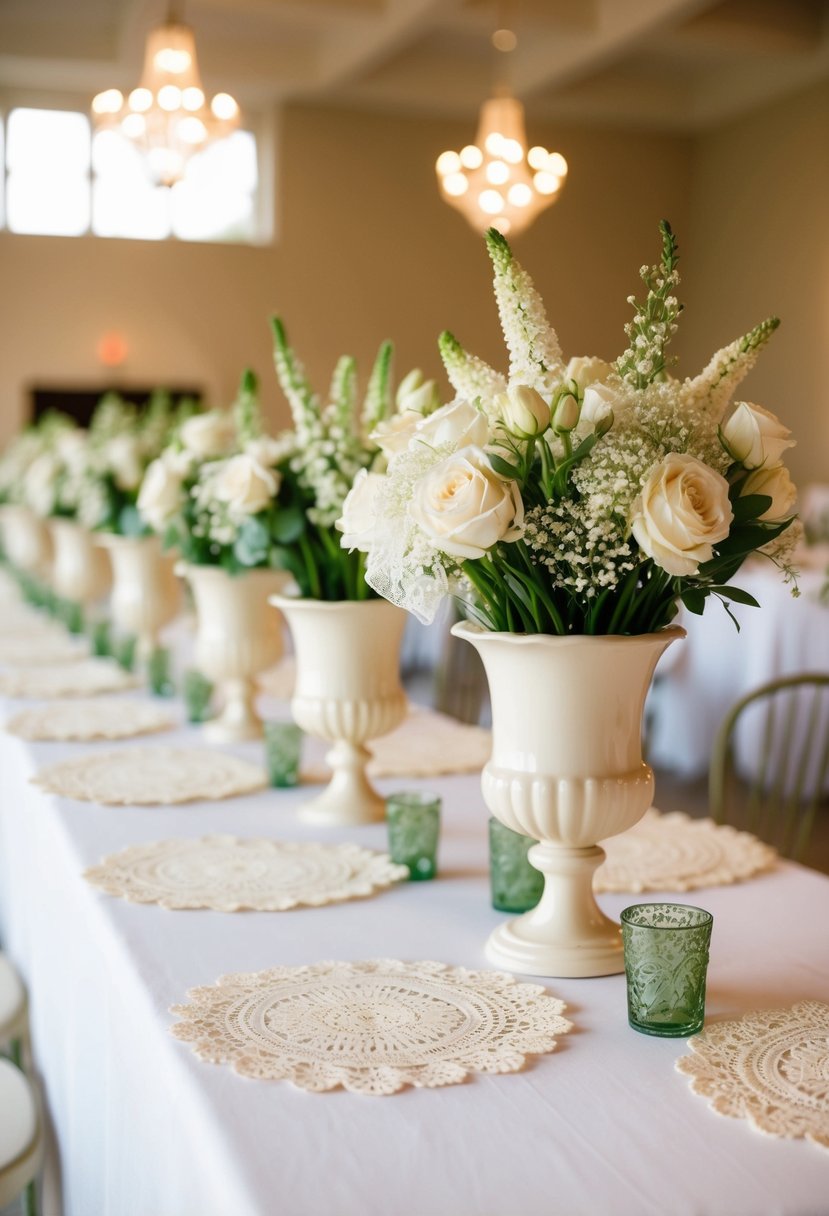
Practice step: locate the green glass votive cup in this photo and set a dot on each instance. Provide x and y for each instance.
(159, 675)
(283, 753)
(515, 884)
(413, 821)
(666, 962)
(197, 692)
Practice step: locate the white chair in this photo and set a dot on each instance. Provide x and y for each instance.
(13, 1024)
(20, 1134)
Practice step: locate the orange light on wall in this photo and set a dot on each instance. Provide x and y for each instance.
(111, 348)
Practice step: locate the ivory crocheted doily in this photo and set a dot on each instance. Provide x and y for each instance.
(148, 776)
(82, 721)
(83, 678)
(39, 650)
(372, 1027)
(425, 744)
(676, 853)
(228, 874)
(771, 1068)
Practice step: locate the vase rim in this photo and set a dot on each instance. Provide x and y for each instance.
(184, 569)
(468, 630)
(290, 601)
(111, 540)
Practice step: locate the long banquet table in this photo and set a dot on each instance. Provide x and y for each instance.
(144, 1128)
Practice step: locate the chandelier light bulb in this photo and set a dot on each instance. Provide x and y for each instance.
(456, 184)
(133, 125)
(471, 157)
(496, 181)
(140, 100)
(448, 162)
(224, 107)
(192, 98)
(167, 116)
(171, 60)
(497, 172)
(108, 102)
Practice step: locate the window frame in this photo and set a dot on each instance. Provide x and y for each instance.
(258, 124)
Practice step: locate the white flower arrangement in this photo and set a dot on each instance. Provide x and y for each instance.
(579, 497)
(330, 449)
(213, 492)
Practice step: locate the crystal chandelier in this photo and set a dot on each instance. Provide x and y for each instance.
(167, 116)
(497, 182)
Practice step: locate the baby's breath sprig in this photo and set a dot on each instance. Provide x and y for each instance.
(654, 322)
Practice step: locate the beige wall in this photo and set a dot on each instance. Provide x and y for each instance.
(365, 250)
(759, 244)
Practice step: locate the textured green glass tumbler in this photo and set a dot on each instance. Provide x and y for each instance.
(666, 961)
(197, 691)
(283, 751)
(413, 821)
(515, 885)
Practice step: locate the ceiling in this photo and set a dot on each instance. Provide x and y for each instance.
(677, 65)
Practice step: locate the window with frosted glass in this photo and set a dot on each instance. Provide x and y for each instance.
(47, 172)
(62, 180)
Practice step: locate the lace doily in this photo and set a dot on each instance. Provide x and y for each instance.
(230, 875)
(372, 1027)
(771, 1068)
(150, 776)
(82, 721)
(83, 678)
(41, 649)
(425, 744)
(676, 853)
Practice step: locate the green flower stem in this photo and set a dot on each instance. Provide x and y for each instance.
(310, 567)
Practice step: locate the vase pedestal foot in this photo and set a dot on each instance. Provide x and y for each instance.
(566, 935)
(349, 798)
(238, 721)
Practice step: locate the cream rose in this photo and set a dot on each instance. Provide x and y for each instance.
(755, 437)
(459, 422)
(524, 411)
(598, 405)
(778, 485)
(417, 394)
(585, 370)
(465, 507)
(123, 459)
(359, 518)
(161, 495)
(266, 450)
(680, 515)
(209, 435)
(393, 434)
(245, 485)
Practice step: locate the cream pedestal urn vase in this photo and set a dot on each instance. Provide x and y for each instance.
(26, 540)
(80, 570)
(347, 691)
(567, 770)
(237, 636)
(145, 592)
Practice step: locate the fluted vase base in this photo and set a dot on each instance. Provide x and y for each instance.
(349, 798)
(238, 721)
(566, 934)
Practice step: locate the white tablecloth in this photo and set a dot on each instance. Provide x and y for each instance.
(700, 678)
(603, 1125)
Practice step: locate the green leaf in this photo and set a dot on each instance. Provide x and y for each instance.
(288, 525)
(253, 543)
(752, 506)
(130, 522)
(502, 467)
(694, 600)
(736, 594)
